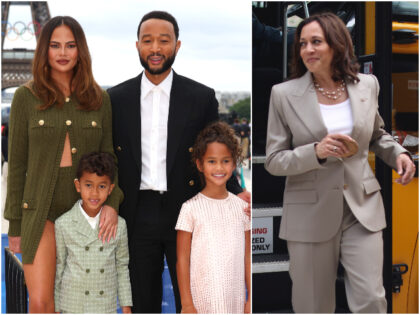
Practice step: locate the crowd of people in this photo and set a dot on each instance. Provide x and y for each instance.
(243, 134)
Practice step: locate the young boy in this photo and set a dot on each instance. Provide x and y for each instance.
(89, 273)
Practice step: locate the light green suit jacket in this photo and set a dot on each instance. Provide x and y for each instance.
(90, 275)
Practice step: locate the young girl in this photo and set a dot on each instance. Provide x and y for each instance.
(213, 241)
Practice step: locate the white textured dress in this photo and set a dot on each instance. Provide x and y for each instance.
(217, 263)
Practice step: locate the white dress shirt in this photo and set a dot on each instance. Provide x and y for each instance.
(154, 132)
(93, 222)
(338, 118)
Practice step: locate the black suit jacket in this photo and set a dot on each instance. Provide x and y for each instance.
(191, 107)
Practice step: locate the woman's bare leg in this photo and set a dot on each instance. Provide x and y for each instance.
(40, 275)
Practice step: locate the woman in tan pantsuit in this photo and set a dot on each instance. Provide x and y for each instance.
(321, 126)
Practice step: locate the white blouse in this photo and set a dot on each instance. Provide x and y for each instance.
(338, 118)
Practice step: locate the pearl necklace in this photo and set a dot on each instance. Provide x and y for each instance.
(335, 94)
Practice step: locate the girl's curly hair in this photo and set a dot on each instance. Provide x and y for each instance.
(217, 132)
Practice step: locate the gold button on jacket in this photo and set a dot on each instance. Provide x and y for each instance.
(41, 122)
(74, 150)
(191, 183)
(68, 122)
(94, 124)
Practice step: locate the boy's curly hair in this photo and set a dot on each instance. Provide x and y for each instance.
(100, 163)
(217, 132)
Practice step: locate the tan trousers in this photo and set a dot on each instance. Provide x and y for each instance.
(313, 269)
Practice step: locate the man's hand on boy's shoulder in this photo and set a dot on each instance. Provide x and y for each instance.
(126, 309)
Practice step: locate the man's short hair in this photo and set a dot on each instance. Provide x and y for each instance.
(100, 163)
(161, 15)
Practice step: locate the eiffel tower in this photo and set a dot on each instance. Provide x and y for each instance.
(16, 63)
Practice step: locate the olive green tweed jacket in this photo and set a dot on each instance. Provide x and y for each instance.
(90, 274)
(36, 142)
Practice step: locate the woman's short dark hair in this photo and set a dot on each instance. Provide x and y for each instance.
(161, 15)
(99, 163)
(344, 64)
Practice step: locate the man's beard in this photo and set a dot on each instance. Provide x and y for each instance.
(167, 64)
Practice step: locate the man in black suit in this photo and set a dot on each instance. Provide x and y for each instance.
(156, 118)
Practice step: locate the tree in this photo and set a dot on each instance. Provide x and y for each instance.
(242, 108)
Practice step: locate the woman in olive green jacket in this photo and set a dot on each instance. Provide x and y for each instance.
(55, 119)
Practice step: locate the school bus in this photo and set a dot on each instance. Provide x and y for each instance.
(385, 36)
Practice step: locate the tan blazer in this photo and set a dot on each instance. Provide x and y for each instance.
(313, 196)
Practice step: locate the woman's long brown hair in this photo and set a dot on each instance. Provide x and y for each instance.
(83, 85)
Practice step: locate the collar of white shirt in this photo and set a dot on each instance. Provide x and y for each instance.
(147, 86)
(93, 222)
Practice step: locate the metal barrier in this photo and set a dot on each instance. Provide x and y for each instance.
(16, 292)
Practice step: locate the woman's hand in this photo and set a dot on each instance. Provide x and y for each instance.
(108, 223)
(14, 244)
(332, 145)
(246, 196)
(189, 309)
(405, 168)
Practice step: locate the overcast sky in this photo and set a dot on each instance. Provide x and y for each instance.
(215, 38)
